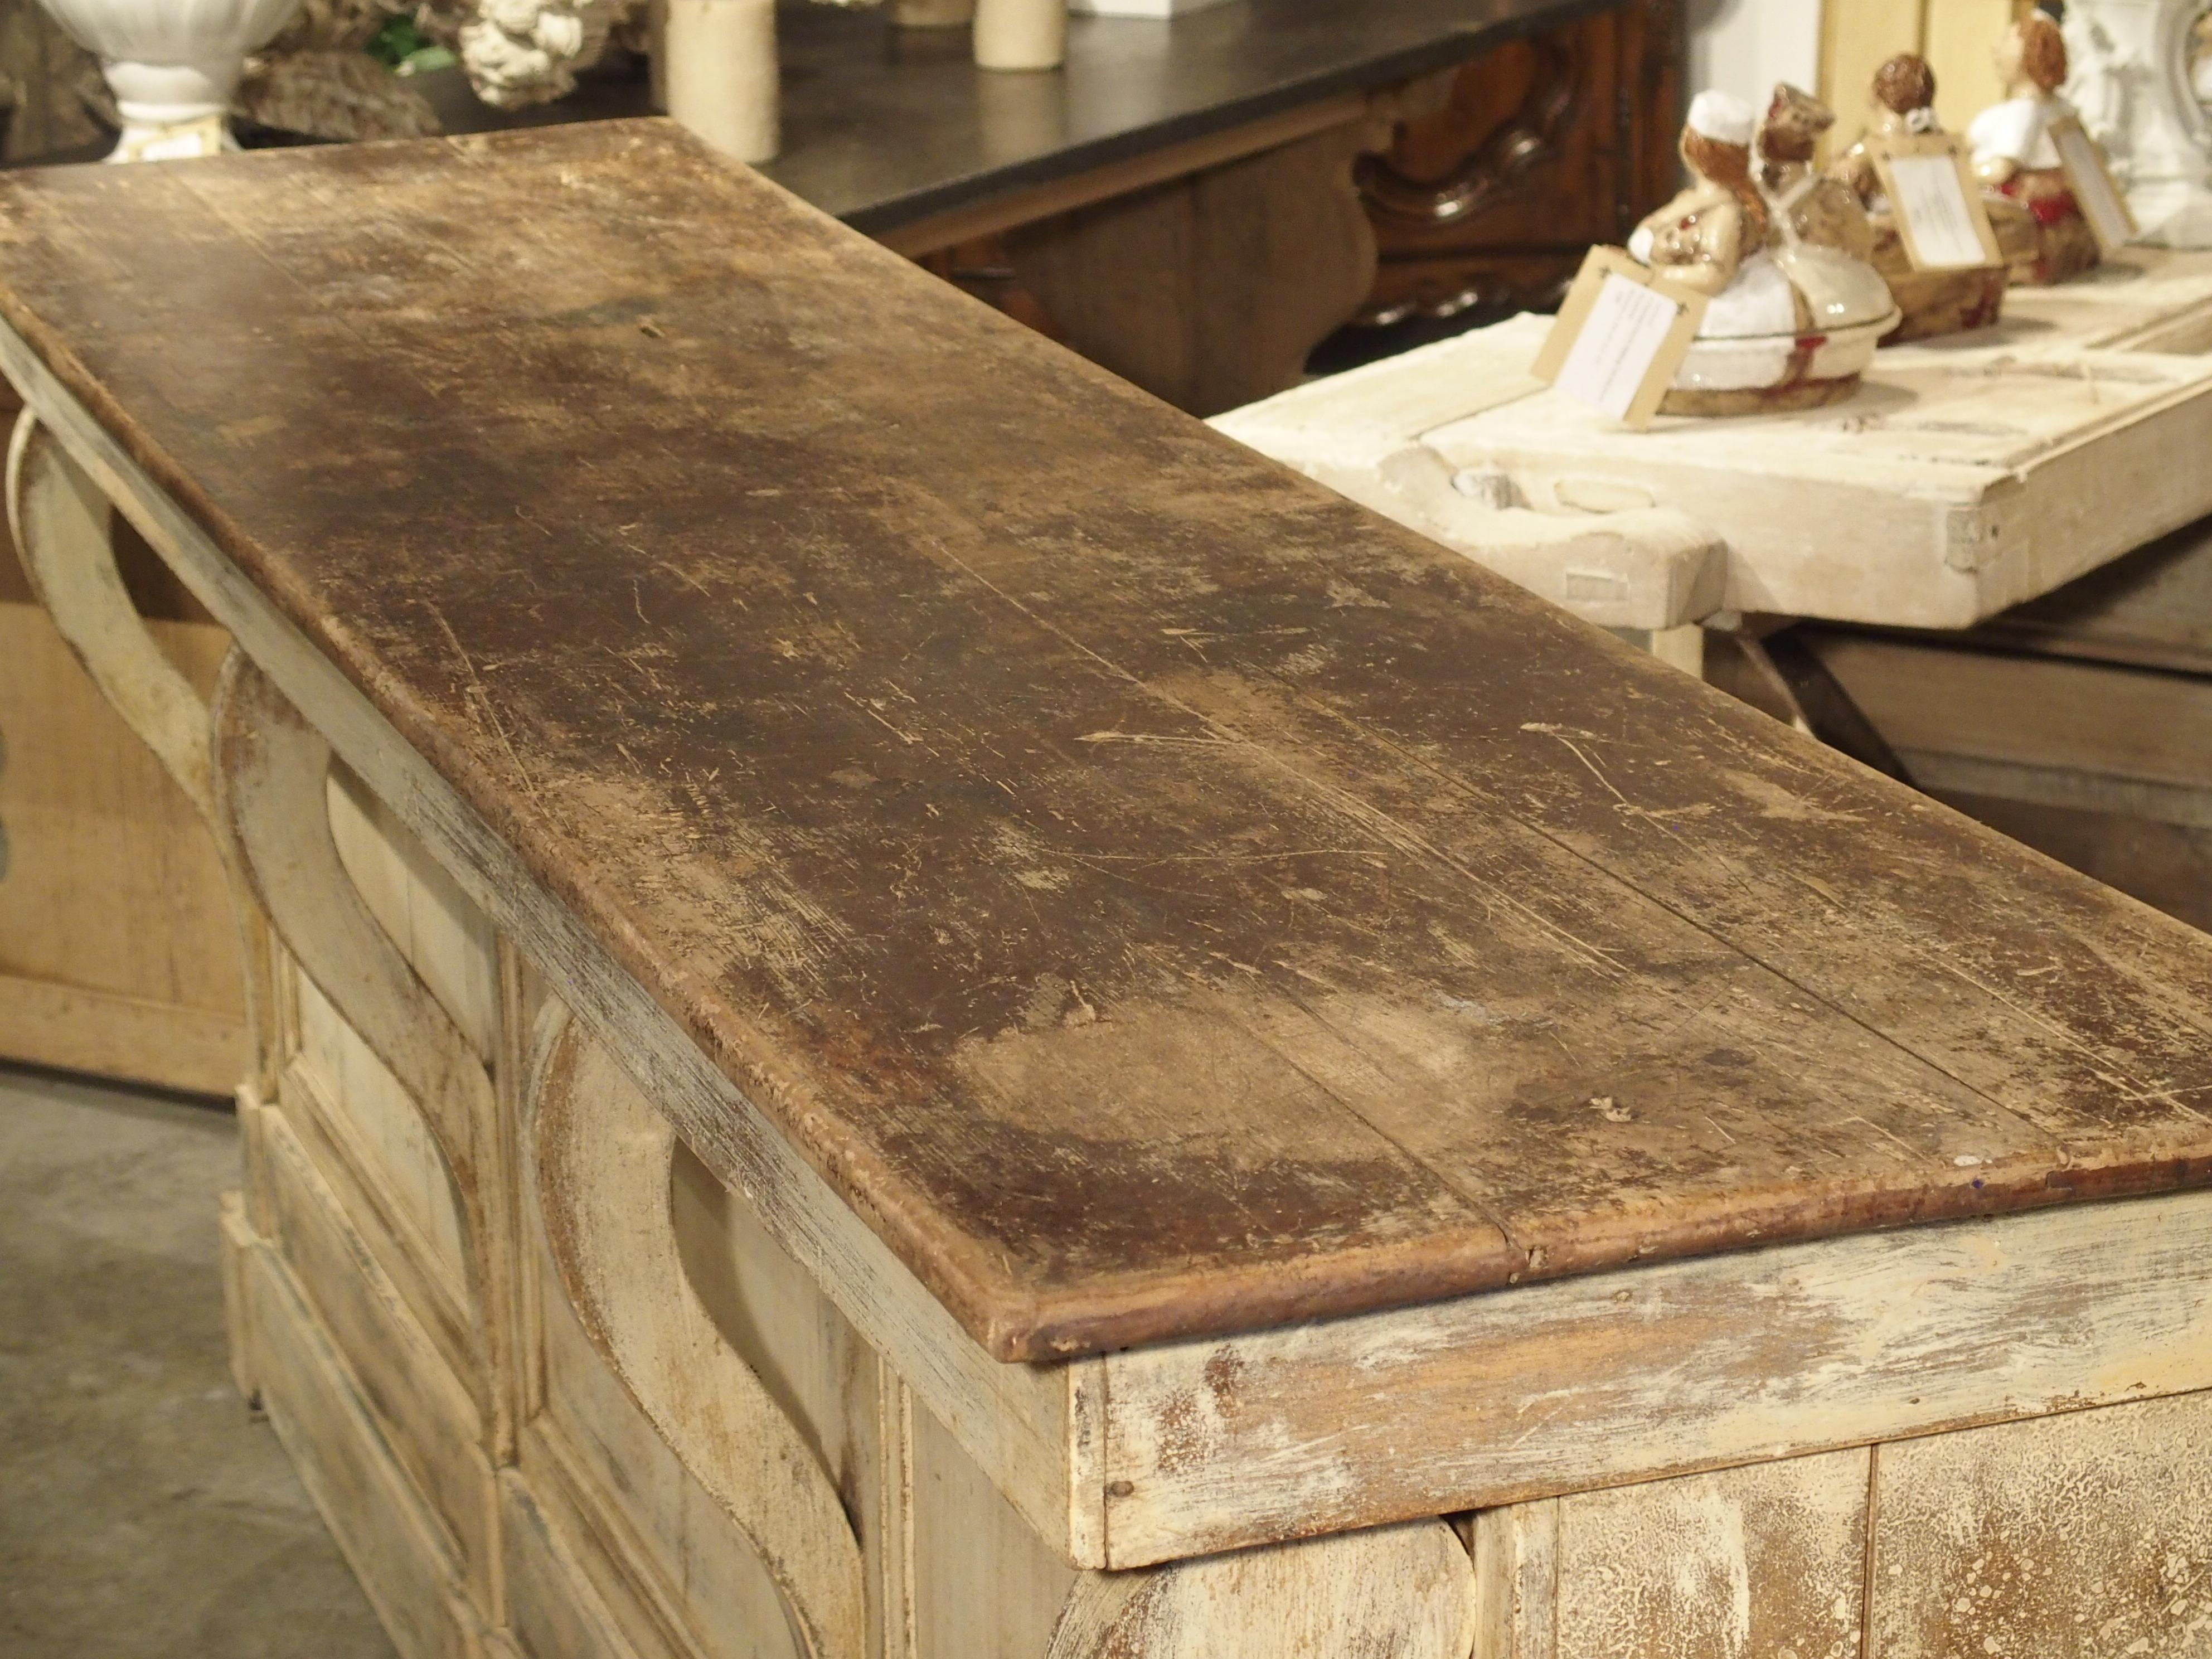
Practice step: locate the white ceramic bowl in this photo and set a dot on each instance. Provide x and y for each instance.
(1759, 361)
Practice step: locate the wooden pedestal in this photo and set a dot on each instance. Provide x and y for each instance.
(1965, 476)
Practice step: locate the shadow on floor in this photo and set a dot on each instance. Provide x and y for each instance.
(144, 1512)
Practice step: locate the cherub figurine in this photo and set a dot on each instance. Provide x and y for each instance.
(2017, 161)
(1934, 301)
(1789, 323)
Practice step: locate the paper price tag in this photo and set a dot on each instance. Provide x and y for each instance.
(1620, 338)
(2091, 181)
(1938, 206)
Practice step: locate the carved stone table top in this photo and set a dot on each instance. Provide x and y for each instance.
(1162, 897)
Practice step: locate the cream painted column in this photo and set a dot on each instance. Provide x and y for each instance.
(718, 65)
(1021, 34)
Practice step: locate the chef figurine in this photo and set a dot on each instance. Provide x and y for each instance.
(1934, 301)
(2017, 161)
(1702, 238)
(1789, 323)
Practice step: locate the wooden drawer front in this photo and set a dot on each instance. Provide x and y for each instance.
(2086, 1535)
(422, 1276)
(652, 1518)
(1764, 1561)
(551, 1612)
(448, 944)
(372, 1508)
(427, 1417)
(379, 1130)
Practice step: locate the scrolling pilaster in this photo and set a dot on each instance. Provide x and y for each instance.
(605, 1159)
(270, 790)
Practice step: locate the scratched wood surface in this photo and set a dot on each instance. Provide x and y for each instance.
(1164, 898)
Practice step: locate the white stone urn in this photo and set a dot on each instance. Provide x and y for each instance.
(173, 65)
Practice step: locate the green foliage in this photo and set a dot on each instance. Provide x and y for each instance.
(396, 41)
(402, 46)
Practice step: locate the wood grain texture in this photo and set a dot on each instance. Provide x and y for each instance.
(426, 1415)
(369, 1141)
(1407, 1592)
(1747, 1564)
(119, 946)
(1033, 1430)
(1400, 937)
(603, 1166)
(1545, 145)
(1211, 290)
(2140, 299)
(60, 524)
(73, 1028)
(1517, 1580)
(1963, 476)
(2062, 731)
(2086, 1536)
(381, 1525)
(1553, 1389)
(2152, 610)
(552, 1612)
(273, 796)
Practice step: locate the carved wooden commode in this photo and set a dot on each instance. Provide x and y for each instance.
(909, 1006)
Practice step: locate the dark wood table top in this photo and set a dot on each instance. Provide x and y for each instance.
(883, 126)
(1174, 899)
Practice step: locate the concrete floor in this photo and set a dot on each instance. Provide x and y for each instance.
(144, 1512)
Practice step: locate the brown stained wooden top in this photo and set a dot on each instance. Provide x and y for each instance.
(1165, 898)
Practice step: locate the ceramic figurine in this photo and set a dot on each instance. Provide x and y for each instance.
(1933, 301)
(2017, 162)
(1791, 323)
(1818, 208)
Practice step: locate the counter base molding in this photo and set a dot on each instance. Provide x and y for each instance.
(602, 1319)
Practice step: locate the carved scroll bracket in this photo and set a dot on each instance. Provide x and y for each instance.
(604, 1160)
(61, 523)
(1527, 138)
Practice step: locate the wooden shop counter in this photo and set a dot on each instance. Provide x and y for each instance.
(913, 1007)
